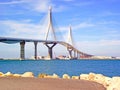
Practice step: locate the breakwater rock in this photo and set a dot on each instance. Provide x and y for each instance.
(108, 82)
(9, 74)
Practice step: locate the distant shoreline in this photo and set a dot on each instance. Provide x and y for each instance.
(55, 59)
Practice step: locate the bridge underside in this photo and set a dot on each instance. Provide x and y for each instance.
(22, 41)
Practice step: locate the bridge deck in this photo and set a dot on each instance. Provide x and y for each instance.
(10, 40)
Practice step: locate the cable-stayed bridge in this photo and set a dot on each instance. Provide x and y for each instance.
(48, 43)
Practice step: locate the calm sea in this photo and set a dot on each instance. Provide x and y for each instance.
(72, 67)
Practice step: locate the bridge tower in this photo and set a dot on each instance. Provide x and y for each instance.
(70, 41)
(50, 45)
(50, 25)
(70, 37)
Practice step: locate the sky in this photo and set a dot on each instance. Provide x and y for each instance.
(95, 25)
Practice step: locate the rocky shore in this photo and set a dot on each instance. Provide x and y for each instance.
(108, 82)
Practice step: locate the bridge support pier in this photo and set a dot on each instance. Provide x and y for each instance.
(78, 55)
(50, 49)
(22, 50)
(75, 54)
(35, 54)
(70, 52)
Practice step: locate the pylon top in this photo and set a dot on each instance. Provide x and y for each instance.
(50, 8)
(70, 26)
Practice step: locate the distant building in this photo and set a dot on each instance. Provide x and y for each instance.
(101, 57)
(61, 57)
(117, 57)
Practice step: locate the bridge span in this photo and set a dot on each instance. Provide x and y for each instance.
(22, 42)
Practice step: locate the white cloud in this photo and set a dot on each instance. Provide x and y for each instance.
(34, 5)
(84, 3)
(109, 42)
(27, 29)
(22, 29)
(68, 0)
(77, 26)
(108, 22)
(39, 5)
(99, 43)
(107, 13)
(12, 2)
(83, 25)
(100, 47)
(58, 8)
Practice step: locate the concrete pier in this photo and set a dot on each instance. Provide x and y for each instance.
(50, 49)
(22, 50)
(75, 54)
(70, 52)
(35, 53)
(78, 55)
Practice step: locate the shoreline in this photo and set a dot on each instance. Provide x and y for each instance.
(88, 80)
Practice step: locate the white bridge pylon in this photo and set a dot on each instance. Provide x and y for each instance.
(50, 25)
(70, 41)
(70, 37)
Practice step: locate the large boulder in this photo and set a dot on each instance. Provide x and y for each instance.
(115, 84)
(100, 78)
(1, 74)
(27, 74)
(84, 76)
(91, 76)
(42, 75)
(48, 76)
(16, 75)
(66, 76)
(55, 76)
(75, 77)
(8, 74)
(107, 81)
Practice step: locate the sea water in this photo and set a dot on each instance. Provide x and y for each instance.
(72, 67)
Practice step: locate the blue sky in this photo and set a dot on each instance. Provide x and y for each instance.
(95, 24)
